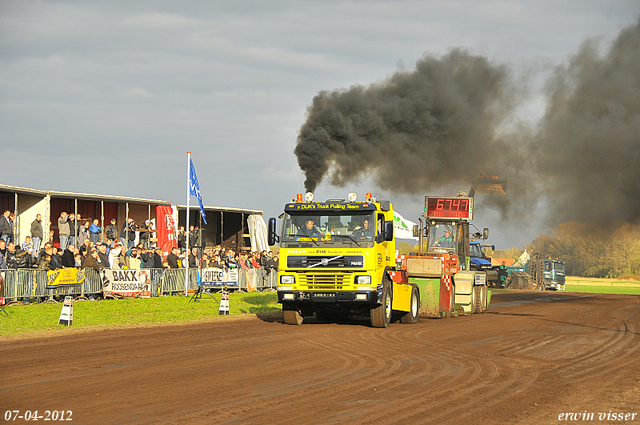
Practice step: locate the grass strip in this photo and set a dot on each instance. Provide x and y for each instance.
(126, 312)
(622, 290)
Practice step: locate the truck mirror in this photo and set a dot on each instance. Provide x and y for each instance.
(388, 230)
(485, 233)
(273, 237)
(416, 231)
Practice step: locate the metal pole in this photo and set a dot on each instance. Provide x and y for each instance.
(102, 220)
(75, 221)
(186, 270)
(126, 226)
(16, 227)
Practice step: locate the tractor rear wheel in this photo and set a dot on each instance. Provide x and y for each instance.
(480, 299)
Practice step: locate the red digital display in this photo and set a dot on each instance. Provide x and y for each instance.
(443, 207)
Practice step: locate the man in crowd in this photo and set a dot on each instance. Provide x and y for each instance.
(72, 229)
(6, 227)
(157, 258)
(128, 233)
(172, 258)
(63, 230)
(36, 234)
(111, 231)
(68, 256)
(102, 254)
(144, 233)
(182, 238)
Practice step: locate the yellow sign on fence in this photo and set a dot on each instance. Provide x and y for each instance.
(64, 277)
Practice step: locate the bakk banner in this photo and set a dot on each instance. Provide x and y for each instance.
(126, 283)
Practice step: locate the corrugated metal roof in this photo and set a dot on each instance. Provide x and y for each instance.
(75, 195)
(23, 190)
(112, 198)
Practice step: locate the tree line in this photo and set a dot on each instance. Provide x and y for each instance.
(593, 250)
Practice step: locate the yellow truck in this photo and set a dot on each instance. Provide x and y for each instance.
(337, 259)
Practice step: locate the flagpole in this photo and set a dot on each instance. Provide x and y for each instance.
(186, 270)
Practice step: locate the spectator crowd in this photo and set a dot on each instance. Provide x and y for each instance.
(87, 246)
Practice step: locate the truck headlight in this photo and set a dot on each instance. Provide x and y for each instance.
(363, 280)
(287, 280)
(285, 288)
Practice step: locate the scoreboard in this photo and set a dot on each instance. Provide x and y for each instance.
(456, 208)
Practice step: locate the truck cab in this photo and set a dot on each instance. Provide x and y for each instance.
(336, 259)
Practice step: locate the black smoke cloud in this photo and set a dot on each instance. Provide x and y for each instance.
(442, 123)
(587, 149)
(413, 131)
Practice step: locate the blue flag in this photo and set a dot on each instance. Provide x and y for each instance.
(194, 189)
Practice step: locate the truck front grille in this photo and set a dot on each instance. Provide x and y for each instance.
(324, 280)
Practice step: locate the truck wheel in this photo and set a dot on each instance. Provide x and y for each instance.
(411, 317)
(480, 299)
(381, 315)
(292, 316)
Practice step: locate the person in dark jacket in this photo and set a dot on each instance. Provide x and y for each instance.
(68, 257)
(144, 233)
(157, 257)
(24, 260)
(91, 261)
(36, 233)
(10, 258)
(172, 259)
(73, 229)
(128, 233)
(182, 238)
(111, 231)
(194, 261)
(6, 229)
(102, 254)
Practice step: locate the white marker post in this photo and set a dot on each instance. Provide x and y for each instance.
(66, 315)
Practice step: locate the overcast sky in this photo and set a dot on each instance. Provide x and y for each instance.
(107, 97)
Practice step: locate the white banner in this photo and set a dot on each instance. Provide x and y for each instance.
(126, 283)
(212, 276)
(403, 228)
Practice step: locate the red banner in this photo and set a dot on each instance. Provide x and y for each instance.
(166, 223)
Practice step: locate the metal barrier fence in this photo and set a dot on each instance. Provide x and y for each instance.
(28, 285)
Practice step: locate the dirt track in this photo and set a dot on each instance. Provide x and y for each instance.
(531, 357)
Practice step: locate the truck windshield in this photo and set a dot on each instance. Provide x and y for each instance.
(329, 227)
(442, 238)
